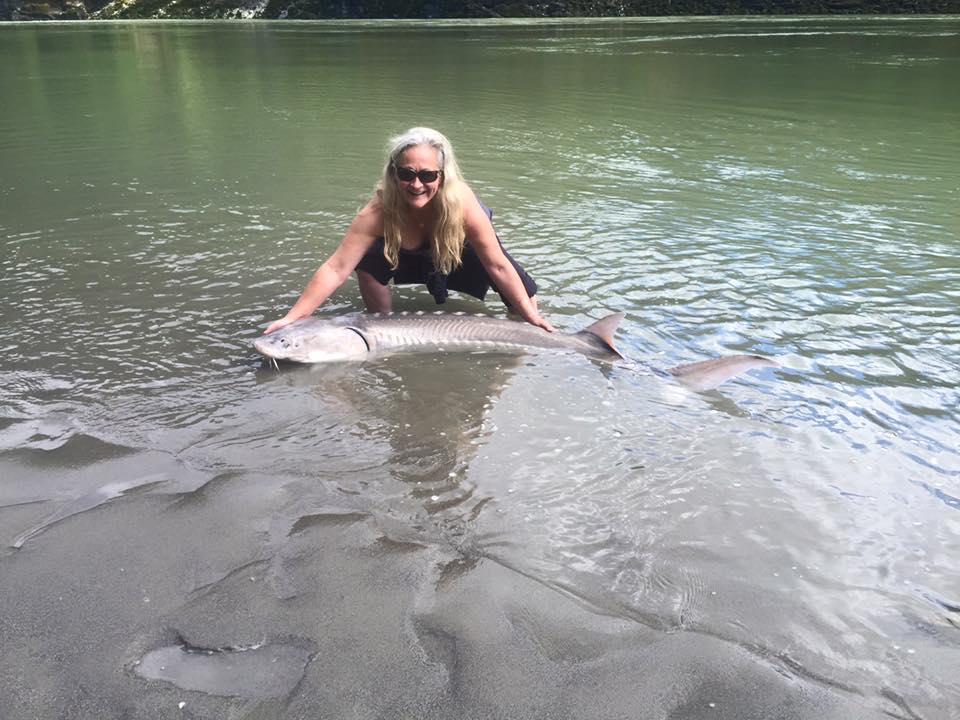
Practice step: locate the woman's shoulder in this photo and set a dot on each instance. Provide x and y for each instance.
(374, 206)
(468, 199)
(465, 193)
(474, 211)
(370, 216)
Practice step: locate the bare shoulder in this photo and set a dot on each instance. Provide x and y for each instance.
(467, 197)
(369, 219)
(374, 207)
(473, 214)
(477, 226)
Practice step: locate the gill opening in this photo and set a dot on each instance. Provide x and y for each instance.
(362, 336)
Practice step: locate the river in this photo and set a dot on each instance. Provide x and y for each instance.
(190, 533)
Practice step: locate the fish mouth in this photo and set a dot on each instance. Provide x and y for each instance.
(266, 347)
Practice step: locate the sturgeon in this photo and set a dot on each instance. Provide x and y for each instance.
(319, 339)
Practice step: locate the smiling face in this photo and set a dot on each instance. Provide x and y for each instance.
(419, 157)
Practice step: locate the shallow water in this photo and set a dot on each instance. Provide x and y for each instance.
(482, 535)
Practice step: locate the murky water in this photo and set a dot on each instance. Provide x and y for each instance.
(479, 535)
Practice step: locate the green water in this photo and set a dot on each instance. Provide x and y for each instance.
(572, 542)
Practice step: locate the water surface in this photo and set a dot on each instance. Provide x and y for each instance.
(479, 535)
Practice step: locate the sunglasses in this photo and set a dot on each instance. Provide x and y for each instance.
(406, 174)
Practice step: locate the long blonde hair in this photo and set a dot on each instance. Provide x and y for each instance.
(449, 233)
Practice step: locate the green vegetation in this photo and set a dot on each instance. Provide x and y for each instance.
(592, 8)
(315, 9)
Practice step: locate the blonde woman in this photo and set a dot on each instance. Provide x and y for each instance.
(422, 225)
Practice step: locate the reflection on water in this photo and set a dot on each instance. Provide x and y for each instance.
(251, 672)
(428, 525)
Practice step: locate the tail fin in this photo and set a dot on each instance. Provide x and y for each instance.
(708, 374)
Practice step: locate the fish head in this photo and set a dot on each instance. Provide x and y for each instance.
(313, 341)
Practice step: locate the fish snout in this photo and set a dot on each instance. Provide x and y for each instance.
(270, 346)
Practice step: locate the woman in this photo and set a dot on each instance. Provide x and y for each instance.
(423, 225)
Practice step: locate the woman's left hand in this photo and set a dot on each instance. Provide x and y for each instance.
(542, 322)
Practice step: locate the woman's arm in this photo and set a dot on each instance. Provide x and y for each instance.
(483, 239)
(363, 231)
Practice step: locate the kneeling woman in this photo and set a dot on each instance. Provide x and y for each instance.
(423, 225)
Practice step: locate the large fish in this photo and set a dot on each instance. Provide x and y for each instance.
(354, 337)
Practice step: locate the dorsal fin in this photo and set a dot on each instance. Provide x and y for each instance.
(604, 329)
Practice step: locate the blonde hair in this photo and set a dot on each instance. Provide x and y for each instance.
(449, 233)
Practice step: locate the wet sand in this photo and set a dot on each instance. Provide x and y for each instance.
(230, 596)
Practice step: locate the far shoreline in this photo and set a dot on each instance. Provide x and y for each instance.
(455, 11)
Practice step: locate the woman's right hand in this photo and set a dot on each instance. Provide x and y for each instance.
(281, 323)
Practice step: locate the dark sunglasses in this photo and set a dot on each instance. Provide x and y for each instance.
(408, 174)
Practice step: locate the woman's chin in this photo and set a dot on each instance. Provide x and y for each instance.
(418, 201)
